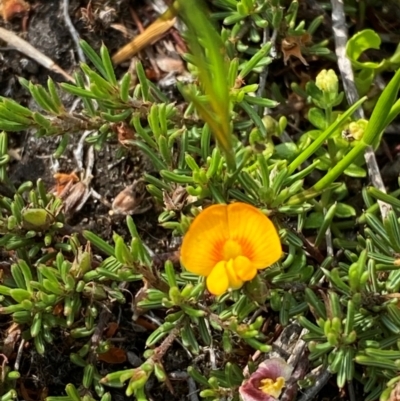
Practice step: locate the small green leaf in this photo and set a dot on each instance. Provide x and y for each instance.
(93, 57)
(108, 66)
(76, 91)
(19, 294)
(11, 126)
(359, 43)
(99, 243)
(314, 220)
(343, 210)
(383, 109)
(355, 171)
(364, 80)
(317, 118)
(286, 151)
(36, 219)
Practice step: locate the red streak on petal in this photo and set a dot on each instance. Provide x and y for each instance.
(216, 253)
(247, 247)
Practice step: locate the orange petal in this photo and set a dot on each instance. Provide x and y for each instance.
(202, 245)
(245, 270)
(218, 281)
(234, 281)
(256, 234)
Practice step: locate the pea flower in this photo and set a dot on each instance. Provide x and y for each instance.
(267, 382)
(228, 244)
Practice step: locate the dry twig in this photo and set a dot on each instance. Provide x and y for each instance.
(340, 33)
(273, 54)
(298, 359)
(26, 48)
(152, 33)
(73, 32)
(319, 384)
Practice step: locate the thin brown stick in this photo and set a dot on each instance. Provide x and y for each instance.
(136, 20)
(151, 34)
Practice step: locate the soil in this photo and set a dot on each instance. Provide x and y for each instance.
(111, 173)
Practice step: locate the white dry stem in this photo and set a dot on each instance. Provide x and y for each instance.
(101, 199)
(19, 355)
(328, 238)
(26, 48)
(89, 162)
(298, 360)
(340, 33)
(73, 32)
(298, 350)
(78, 151)
(319, 384)
(273, 55)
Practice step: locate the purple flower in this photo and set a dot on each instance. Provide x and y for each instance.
(267, 382)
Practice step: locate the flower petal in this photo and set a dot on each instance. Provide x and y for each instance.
(250, 393)
(244, 268)
(202, 245)
(273, 387)
(234, 281)
(256, 234)
(271, 369)
(218, 280)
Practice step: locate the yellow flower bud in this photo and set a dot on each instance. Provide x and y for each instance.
(357, 128)
(327, 81)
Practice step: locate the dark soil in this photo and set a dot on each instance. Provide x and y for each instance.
(111, 174)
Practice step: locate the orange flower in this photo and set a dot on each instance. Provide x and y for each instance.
(228, 244)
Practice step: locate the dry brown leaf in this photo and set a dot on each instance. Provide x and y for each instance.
(111, 329)
(31, 394)
(62, 180)
(131, 200)
(58, 310)
(13, 335)
(177, 200)
(141, 321)
(170, 64)
(292, 46)
(13, 8)
(124, 132)
(71, 190)
(113, 356)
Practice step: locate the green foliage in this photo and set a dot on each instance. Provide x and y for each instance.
(358, 325)
(220, 148)
(367, 70)
(207, 49)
